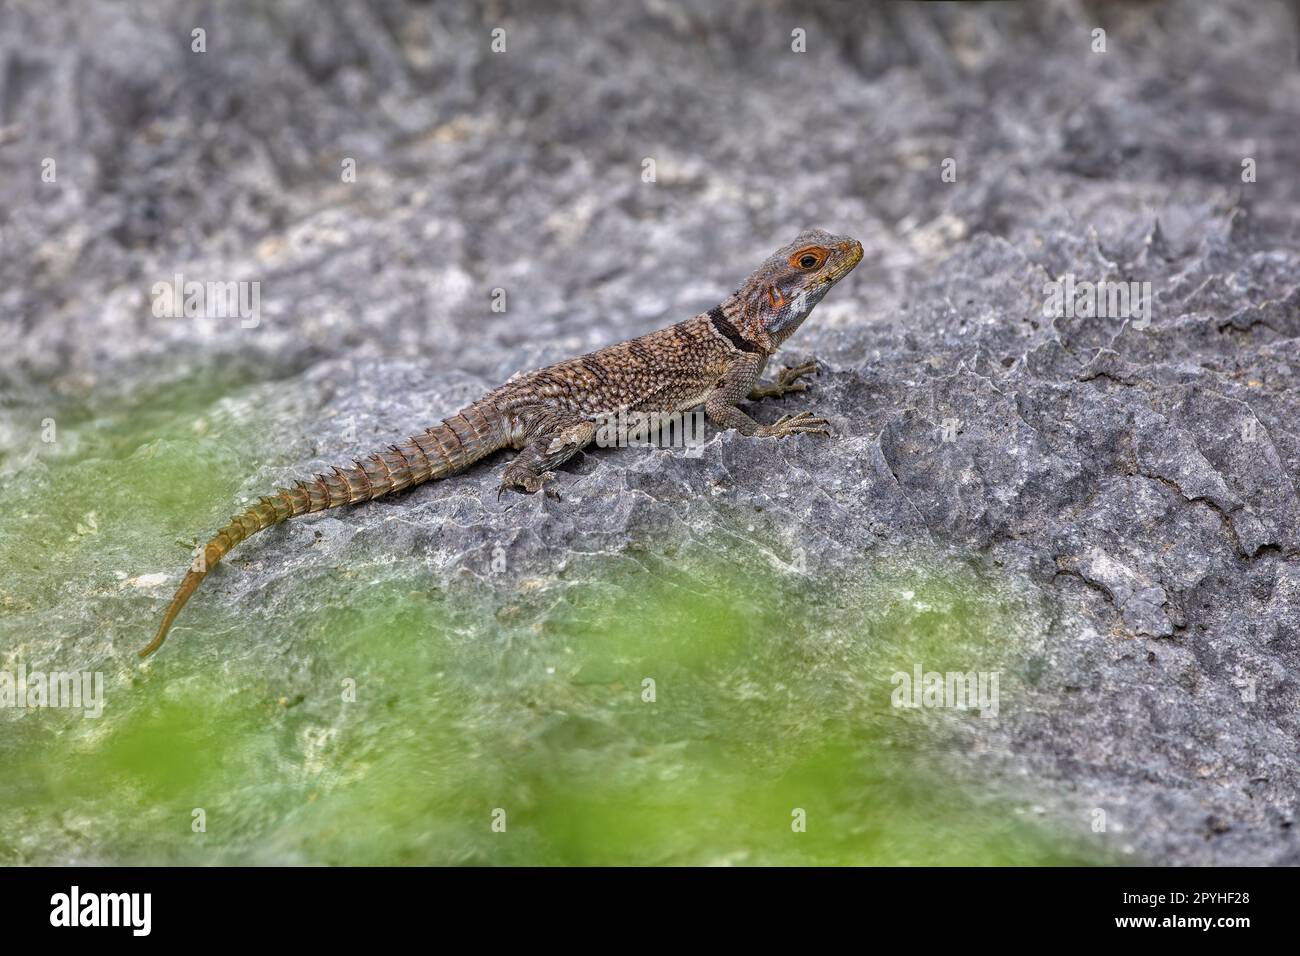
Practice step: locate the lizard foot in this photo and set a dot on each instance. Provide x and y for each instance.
(793, 373)
(528, 483)
(786, 382)
(803, 423)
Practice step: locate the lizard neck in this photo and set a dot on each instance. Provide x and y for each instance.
(742, 326)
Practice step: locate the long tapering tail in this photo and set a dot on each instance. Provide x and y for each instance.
(441, 451)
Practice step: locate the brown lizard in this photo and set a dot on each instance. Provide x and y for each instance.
(549, 415)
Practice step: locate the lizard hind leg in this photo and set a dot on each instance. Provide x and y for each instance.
(531, 469)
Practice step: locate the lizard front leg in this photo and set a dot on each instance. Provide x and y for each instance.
(531, 468)
(736, 384)
(787, 381)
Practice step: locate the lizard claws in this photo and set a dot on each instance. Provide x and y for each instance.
(529, 483)
(803, 423)
(786, 382)
(546, 485)
(791, 373)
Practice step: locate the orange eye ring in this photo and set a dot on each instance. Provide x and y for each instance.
(808, 259)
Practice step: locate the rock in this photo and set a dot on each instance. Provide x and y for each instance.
(1135, 475)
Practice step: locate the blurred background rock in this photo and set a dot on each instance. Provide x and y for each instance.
(522, 170)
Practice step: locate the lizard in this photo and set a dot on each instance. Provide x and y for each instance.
(714, 360)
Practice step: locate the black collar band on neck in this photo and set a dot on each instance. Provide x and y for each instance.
(723, 325)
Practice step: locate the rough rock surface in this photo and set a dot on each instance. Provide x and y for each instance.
(1141, 472)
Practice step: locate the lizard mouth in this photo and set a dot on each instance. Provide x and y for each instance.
(851, 252)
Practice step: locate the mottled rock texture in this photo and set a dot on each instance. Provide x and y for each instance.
(1141, 472)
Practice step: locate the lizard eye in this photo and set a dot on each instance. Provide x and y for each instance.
(809, 258)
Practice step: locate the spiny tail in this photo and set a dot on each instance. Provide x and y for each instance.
(442, 450)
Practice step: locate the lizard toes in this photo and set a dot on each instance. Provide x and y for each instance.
(546, 485)
(803, 423)
(798, 371)
(529, 483)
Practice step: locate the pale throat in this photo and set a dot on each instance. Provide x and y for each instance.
(785, 322)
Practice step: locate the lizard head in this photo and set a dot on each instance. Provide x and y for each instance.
(779, 296)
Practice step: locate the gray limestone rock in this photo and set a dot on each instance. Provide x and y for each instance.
(1136, 472)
